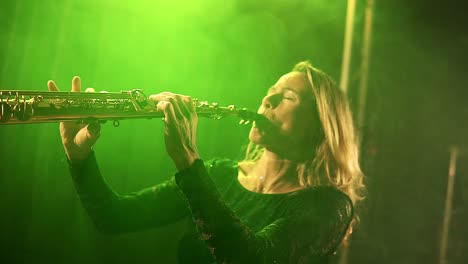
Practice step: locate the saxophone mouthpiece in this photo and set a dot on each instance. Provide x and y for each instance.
(248, 117)
(263, 123)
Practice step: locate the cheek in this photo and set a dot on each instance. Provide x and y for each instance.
(297, 126)
(292, 132)
(292, 122)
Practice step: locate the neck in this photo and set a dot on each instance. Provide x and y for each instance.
(275, 173)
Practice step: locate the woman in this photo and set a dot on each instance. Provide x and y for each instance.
(290, 201)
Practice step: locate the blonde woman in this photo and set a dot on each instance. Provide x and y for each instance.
(290, 200)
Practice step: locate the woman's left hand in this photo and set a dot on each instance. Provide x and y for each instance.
(180, 131)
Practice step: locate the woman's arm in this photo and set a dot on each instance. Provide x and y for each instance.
(113, 213)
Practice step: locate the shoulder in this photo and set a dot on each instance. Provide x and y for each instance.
(324, 192)
(326, 199)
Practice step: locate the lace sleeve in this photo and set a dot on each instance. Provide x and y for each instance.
(294, 238)
(113, 213)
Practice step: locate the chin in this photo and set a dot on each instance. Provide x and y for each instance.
(256, 136)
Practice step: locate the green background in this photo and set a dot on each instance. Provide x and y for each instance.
(230, 52)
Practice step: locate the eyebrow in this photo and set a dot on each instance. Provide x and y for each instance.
(272, 89)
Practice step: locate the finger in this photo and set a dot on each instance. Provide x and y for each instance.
(190, 106)
(76, 84)
(173, 99)
(68, 129)
(160, 96)
(177, 105)
(86, 138)
(52, 86)
(94, 129)
(182, 102)
(167, 109)
(90, 90)
(186, 105)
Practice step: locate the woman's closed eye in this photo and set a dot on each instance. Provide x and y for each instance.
(289, 95)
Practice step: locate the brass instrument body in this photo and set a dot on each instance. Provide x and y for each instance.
(26, 107)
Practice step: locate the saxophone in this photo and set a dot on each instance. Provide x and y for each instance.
(26, 107)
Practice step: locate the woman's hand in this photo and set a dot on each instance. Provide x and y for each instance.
(77, 139)
(180, 131)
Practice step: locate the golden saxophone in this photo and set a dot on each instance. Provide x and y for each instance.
(25, 107)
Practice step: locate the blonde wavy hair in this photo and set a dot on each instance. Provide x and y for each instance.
(336, 159)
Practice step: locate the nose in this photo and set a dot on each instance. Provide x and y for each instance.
(271, 101)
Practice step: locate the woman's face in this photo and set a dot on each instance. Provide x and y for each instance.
(289, 107)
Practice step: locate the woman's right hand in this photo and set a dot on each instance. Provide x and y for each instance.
(77, 139)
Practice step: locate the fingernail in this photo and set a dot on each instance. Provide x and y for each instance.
(76, 79)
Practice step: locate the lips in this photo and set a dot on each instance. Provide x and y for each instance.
(263, 123)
